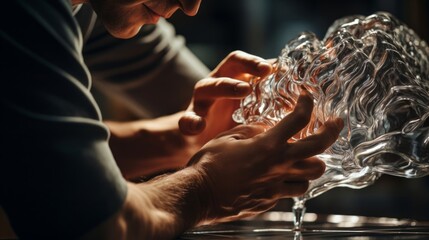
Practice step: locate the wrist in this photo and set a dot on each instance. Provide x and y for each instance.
(189, 190)
(199, 194)
(206, 199)
(176, 202)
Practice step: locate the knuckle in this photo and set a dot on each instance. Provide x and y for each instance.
(201, 83)
(242, 132)
(254, 130)
(269, 147)
(221, 82)
(235, 53)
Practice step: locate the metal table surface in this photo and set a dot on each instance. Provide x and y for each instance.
(279, 225)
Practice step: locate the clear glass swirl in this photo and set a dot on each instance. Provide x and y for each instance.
(373, 72)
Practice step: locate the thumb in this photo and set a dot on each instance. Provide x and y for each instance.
(191, 124)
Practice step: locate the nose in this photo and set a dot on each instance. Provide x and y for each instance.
(190, 7)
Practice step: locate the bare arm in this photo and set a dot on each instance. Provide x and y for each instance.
(148, 147)
(160, 209)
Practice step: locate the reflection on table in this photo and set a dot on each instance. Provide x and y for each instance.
(279, 225)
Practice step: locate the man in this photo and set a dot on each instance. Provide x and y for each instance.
(59, 178)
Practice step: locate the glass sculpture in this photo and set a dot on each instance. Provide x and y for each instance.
(373, 72)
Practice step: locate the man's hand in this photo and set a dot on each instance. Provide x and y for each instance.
(148, 147)
(218, 96)
(248, 168)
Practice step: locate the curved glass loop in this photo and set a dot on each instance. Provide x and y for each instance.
(373, 72)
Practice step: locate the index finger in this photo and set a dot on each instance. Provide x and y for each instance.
(295, 121)
(238, 63)
(222, 87)
(317, 143)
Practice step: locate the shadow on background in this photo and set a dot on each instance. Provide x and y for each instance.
(263, 27)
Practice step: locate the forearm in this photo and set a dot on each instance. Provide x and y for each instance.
(179, 201)
(148, 147)
(160, 209)
(157, 125)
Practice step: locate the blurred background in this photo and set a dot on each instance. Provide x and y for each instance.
(263, 27)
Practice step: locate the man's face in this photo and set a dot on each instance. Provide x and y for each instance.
(124, 18)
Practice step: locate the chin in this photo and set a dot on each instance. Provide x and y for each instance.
(124, 33)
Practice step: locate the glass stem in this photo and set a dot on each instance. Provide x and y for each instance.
(298, 210)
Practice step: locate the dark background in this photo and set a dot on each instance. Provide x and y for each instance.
(263, 27)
